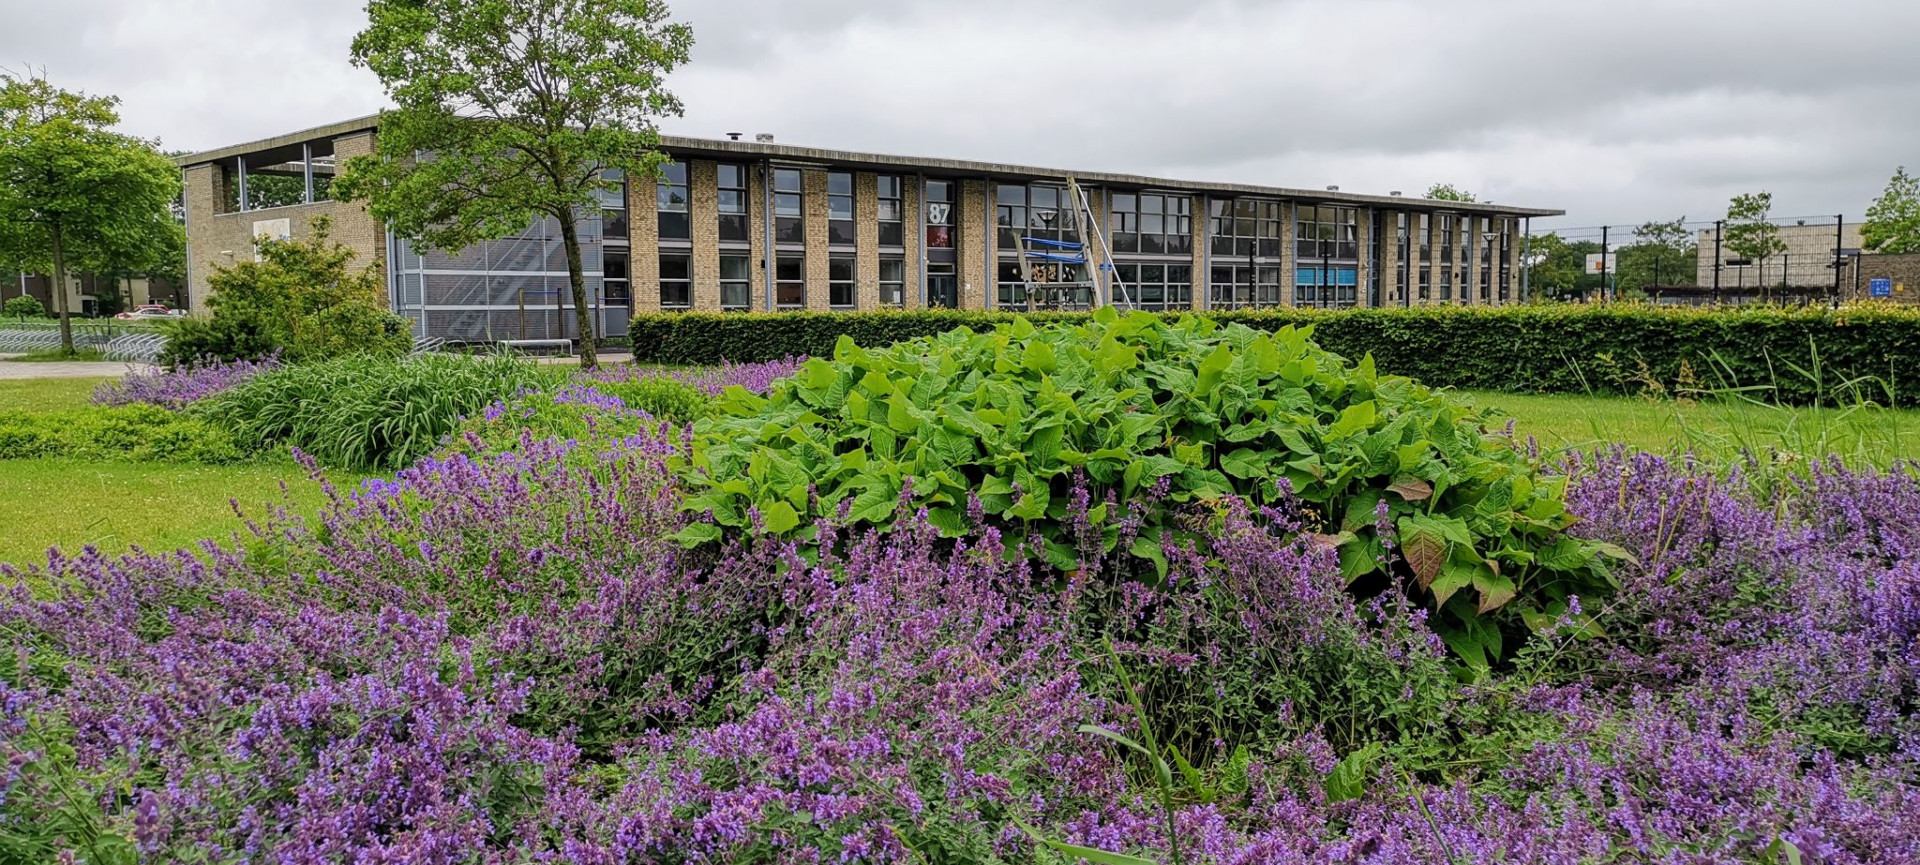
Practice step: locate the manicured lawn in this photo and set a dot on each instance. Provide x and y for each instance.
(46, 394)
(70, 504)
(1861, 436)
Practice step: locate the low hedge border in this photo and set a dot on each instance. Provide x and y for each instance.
(1805, 355)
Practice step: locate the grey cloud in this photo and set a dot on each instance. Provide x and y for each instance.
(1617, 111)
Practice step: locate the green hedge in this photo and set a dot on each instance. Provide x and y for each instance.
(1802, 355)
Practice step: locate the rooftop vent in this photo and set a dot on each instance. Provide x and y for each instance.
(1333, 189)
(734, 136)
(1395, 193)
(764, 138)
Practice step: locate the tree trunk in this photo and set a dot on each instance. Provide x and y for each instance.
(60, 292)
(582, 313)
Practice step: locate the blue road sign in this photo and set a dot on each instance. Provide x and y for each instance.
(1880, 288)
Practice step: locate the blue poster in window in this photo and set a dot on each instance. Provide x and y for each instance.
(1880, 288)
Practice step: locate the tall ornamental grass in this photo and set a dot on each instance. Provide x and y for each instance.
(367, 412)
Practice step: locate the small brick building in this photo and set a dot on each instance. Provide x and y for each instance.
(1901, 271)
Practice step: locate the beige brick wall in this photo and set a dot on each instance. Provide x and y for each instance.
(866, 227)
(1097, 257)
(757, 237)
(916, 235)
(1202, 224)
(974, 242)
(814, 182)
(643, 230)
(704, 210)
(1363, 231)
(218, 238)
(1390, 258)
(1289, 257)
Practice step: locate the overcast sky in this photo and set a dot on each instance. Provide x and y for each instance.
(1617, 112)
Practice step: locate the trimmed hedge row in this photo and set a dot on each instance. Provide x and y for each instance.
(1804, 355)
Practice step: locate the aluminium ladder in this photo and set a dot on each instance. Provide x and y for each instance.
(1064, 269)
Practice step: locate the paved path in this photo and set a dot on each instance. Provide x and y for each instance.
(15, 371)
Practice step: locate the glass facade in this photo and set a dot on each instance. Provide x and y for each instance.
(893, 210)
(732, 191)
(674, 201)
(1245, 226)
(1328, 288)
(676, 281)
(736, 282)
(840, 208)
(515, 287)
(1154, 287)
(1033, 211)
(941, 203)
(893, 281)
(789, 207)
(1245, 286)
(1326, 232)
(1151, 223)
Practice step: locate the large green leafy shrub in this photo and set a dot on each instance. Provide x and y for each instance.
(303, 300)
(1802, 355)
(1014, 415)
(367, 412)
(136, 433)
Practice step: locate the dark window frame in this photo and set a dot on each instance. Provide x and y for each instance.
(1150, 222)
(790, 284)
(734, 224)
(893, 232)
(673, 203)
(736, 292)
(840, 229)
(893, 291)
(676, 292)
(842, 282)
(789, 207)
(1229, 217)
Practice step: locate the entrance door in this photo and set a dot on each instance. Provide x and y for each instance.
(943, 287)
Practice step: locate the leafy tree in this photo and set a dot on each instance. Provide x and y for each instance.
(1748, 233)
(1557, 266)
(73, 192)
(303, 300)
(1449, 192)
(517, 108)
(1663, 253)
(1893, 222)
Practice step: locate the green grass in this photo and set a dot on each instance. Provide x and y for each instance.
(69, 504)
(47, 394)
(1717, 429)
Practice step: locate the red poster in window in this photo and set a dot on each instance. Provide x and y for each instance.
(939, 237)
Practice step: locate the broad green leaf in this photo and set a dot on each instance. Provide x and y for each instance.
(780, 517)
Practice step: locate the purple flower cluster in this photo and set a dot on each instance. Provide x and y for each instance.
(505, 658)
(756, 377)
(178, 387)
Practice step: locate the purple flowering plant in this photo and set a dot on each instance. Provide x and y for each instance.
(183, 385)
(500, 655)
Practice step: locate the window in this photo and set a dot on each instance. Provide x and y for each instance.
(1152, 223)
(1446, 284)
(617, 282)
(840, 208)
(1506, 260)
(736, 282)
(613, 206)
(1446, 238)
(840, 282)
(893, 209)
(789, 212)
(1243, 286)
(1403, 258)
(1246, 226)
(676, 281)
(940, 217)
(790, 274)
(1326, 287)
(733, 203)
(1155, 287)
(1426, 238)
(893, 282)
(1325, 232)
(1013, 287)
(1034, 211)
(672, 195)
(1426, 284)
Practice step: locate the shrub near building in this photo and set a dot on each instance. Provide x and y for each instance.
(303, 300)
